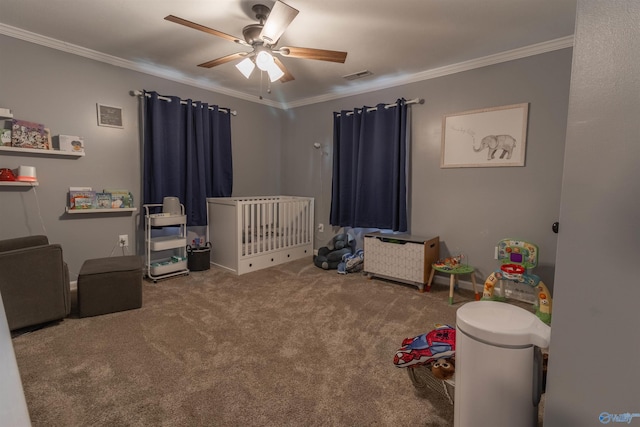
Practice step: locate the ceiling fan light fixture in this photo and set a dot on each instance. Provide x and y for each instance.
(264, 60)
(246, 67)
(275, 73)
(263, 39)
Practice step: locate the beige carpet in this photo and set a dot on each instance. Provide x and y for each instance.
(292, 345)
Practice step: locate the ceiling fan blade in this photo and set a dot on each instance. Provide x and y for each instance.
(223, 60)
(319, 54)
(287, 75)
(199, 27)
(279, 19)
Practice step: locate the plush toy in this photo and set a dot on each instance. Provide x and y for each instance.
(352, 263)
(331, 255)
(450, 263)
(424, 349)
(443, 368)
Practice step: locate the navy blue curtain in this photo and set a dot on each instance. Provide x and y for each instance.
(187, 153)
(369, 188)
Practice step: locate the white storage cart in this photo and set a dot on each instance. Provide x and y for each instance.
(165, 242)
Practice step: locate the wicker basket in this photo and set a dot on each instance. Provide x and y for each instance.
(422, 378)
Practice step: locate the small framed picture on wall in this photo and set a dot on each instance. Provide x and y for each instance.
(109, 115)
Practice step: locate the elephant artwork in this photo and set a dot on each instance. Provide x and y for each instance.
(506, 143)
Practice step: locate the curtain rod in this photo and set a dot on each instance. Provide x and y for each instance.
(395, 104)
(164, 98)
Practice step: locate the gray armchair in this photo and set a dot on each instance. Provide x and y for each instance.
(34, 281)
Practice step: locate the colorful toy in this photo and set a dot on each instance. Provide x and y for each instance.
(444, 368)
(426, 348)
(449, 263)
(517, 258)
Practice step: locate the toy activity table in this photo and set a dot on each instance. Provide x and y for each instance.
(453, 280)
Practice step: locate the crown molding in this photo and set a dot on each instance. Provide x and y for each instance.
(383, 83)
(146, 68)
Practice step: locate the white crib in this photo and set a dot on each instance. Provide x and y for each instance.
(252, 233)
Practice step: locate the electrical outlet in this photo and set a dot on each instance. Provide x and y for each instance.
(320, 228)
(495, 253)
(123, 240)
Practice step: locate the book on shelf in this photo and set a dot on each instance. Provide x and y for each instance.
(5, 128)
(26, 134)
(120, 198)
(5, 136)
(82, 199)
(103, 200)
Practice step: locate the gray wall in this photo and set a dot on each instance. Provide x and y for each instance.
(61, 90)
(595, 350)
(471, 209)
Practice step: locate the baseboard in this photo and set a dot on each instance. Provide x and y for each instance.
(462, 284)
(516, 293)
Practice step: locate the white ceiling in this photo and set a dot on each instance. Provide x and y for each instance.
(399, 41)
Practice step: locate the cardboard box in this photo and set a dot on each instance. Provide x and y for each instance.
(69, 143)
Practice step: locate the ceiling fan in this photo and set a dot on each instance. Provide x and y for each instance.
(263, 39)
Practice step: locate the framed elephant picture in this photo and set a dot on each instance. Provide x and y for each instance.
(489, 137)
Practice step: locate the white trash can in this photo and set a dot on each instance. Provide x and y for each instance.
(498, 365)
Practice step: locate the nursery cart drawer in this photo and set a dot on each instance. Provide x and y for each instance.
(165, 220)
(162, 243)
(165, 266)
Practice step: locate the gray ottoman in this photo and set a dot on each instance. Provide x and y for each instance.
(107, 285)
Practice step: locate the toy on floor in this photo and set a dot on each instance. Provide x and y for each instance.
(429, 359)
(517, 258)
(351, 263)
(444, 368)
(331, 255)
(423, 349)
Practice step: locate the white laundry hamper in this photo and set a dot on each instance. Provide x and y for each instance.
(498, 365)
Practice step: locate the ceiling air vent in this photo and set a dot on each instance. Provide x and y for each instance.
(358, 75)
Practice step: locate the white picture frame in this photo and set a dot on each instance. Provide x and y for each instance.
(109, 116)
(488, 137)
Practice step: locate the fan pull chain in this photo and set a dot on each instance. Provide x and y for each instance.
(261, 78)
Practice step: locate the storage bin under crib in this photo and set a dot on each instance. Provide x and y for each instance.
(252, 233)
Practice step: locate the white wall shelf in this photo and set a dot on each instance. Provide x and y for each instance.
(18, 184)
(38, 152)
(99, 211)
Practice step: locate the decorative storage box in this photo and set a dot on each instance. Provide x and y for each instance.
(401, 257)
(73, 144)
